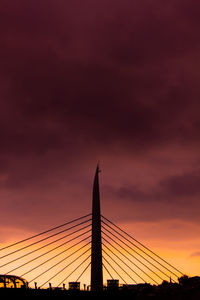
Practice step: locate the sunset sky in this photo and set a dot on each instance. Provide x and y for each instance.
(114, 82)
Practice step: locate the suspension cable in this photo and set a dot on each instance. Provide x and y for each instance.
(128, 260)
(36, 235)
(107, 271)
(123, 262)
(83, 271)
(59, 262)
(114, 270)
(136, 259)
(74, 270)
(65, 267)
(171, 272)
(119, 266)
(46, 238)
(56, 256)
(44, 246)
(43, 254)
(139, 255)
(144, 247)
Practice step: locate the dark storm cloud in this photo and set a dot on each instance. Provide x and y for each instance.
(83, 78)
(174, 189)
(111, 86)
(182, 185)
(172, 198)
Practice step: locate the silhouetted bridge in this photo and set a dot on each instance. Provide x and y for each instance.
(91, 246)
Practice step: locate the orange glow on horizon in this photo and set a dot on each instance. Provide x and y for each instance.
(177, 252)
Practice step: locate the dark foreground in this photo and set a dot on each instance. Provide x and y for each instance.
(179, 294)
(188, 288)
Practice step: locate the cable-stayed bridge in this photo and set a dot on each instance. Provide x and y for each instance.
(90, 249)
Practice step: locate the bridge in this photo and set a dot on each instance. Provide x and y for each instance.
(90, 248)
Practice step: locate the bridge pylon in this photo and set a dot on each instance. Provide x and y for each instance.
(96, 255)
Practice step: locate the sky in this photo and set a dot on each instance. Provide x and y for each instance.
(114, 82)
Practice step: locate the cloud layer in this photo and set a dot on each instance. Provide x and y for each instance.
(83, 81)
